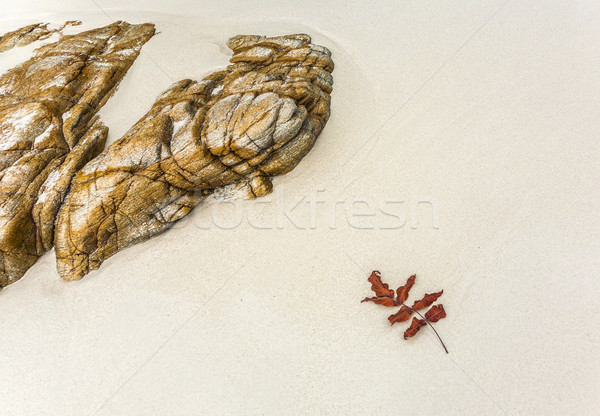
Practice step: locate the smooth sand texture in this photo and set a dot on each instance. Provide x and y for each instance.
(489, 110)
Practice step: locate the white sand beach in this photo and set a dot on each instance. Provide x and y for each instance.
(463, 147)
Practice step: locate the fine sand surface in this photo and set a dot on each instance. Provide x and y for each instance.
(462, 146)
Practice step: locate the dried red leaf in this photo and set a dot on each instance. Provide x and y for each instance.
(385, 301)
(402, 315)
(415, 326)
(436, 313)
(427, 300)
(402, 292)
(385, 297)
(377, 286)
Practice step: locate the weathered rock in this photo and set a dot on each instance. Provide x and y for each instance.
(28, 34)
(256, 119)
(48, 131)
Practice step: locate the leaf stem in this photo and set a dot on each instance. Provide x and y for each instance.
(398, 303)
(436, 333)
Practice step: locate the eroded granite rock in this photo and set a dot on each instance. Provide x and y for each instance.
(28, 34)
(256, 119)
(49, 130)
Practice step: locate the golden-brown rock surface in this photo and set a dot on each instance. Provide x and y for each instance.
(49, 130)
(257, 118)
(28, 34)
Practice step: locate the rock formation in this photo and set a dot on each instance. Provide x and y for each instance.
(257, 118)
(49, 130)
(28, 34)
